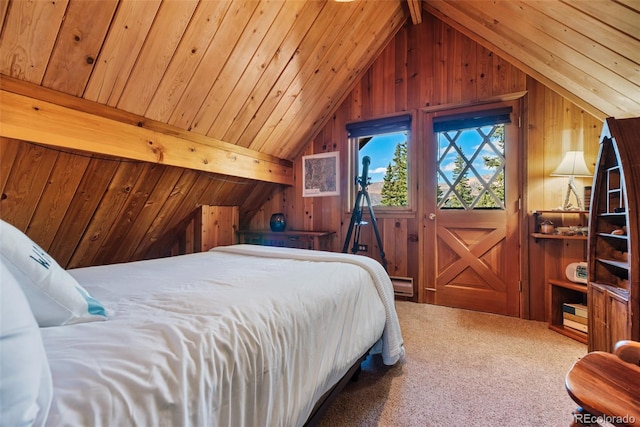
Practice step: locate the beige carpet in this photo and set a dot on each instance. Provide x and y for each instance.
(463, 368)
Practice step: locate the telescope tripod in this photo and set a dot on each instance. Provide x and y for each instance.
(356, 217)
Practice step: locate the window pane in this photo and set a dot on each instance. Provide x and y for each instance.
(471, 168)
(388, 172)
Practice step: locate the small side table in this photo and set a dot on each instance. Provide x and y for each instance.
(604, 386)
(316, 240)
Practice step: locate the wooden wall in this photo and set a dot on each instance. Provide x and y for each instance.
(555, 126)
(92, 209)
(89, 209)
(427, 67)
(208, 227)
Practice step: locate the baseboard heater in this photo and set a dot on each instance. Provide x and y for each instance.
(402, 286)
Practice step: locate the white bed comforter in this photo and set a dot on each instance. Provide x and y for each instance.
(239, 336)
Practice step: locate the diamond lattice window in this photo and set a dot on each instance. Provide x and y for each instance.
(471, 166)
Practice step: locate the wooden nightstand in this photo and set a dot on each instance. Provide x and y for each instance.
(316, 240)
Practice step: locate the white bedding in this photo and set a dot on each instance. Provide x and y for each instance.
(232, 337)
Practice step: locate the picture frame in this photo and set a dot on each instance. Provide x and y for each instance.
(321, 174)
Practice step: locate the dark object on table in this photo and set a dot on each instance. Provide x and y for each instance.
(278, 222)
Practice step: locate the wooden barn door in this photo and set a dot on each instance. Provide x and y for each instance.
(471, 209)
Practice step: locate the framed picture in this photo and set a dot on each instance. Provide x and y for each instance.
(321, 174)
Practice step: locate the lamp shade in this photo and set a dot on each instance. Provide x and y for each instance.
(572, 164)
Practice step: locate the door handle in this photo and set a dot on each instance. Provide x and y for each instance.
(432, 216)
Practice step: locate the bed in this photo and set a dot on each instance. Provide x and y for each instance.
(238, 336)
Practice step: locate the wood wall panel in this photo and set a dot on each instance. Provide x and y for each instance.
(25, 184)
(8, 152)
(205, 23)
(78, 45)
(246, 61)
(29, 32)
(151, 208)
(259, 73)
(56, 197)
(120, 50)
(94, 184)
(208, 227)
(106, 213)
(268, 74)
(275, 46)
(219, 52)
(582, 50)
(432, 66)
(156, 53)
(93, 210)
(160, 224)
(216, 226)
(135, 196)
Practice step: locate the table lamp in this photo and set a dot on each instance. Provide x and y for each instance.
(572, 165)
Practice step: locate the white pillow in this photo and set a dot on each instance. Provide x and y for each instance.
(25, 379)
(55, 297)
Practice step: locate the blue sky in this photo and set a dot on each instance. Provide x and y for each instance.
(381, 149)
(468, 142)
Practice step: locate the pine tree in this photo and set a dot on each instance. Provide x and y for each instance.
(463, 189)
(493, 162)
(394, 188)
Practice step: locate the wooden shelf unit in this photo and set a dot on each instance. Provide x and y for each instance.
(557, 236)
(562, 291)
(549, 255)
(613, 288)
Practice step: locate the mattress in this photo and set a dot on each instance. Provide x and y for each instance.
(238, 336)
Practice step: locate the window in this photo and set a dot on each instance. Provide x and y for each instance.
(386, 143)
(471, 160)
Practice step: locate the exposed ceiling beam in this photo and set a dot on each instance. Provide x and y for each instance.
(415, 9)
(31, 113)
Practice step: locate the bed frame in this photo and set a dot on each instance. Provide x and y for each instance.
(327, 399)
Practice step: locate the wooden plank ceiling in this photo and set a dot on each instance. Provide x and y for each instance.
(186, 102)
(586, 50)
(263, 75)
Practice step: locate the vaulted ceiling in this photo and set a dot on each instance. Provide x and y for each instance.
(257, 75)
(256, 80)
(586, 50)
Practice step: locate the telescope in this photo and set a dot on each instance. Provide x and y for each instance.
(356, 216)
(364, 178)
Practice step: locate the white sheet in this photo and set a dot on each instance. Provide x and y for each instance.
(216, 339)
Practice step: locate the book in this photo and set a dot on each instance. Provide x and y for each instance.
(575, 325)
(574, 318)
(575, 309)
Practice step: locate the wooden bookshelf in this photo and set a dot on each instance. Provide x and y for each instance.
(562, 291)
(614, 285)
